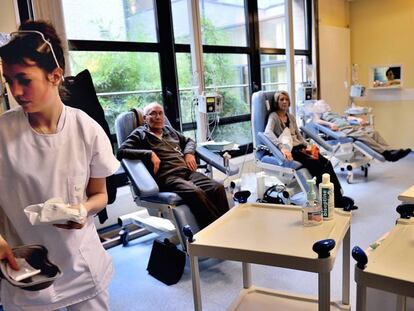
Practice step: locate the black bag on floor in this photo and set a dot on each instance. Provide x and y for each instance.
(166, 262)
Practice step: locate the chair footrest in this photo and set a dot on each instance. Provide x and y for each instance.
(152, 223)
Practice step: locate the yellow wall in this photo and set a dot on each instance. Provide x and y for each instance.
(333, 13)
(334, 53)
(381, 34)
(7, 16)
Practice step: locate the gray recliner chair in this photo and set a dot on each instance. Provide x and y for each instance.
(267, 156)
(164, 212)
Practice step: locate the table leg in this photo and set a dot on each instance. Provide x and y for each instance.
(361, 298)
(346, 252)
(195, 277)
(401, 303)
(324, 287)
(247, 275)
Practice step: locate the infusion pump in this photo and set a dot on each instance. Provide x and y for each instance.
(212, 103)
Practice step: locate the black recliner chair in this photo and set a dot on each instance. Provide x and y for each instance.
(79, 92)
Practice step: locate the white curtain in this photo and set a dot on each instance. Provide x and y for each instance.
(52, 11)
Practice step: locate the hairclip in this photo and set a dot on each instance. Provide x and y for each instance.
(42, 47)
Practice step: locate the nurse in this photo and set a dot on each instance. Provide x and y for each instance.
(49, 150)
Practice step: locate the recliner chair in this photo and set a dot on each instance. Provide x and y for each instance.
(267, 155)
(165, 213)
(79, 92)
(350, 153)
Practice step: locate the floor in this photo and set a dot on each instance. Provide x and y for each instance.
(133, 288)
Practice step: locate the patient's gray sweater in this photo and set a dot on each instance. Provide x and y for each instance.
(275, 127)
(170, 148)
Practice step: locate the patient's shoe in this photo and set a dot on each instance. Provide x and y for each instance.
(395, 155)
(402, 153)
(389, 155)
(398, 154)
(346, 203)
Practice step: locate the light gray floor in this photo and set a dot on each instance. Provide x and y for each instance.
(133, 289)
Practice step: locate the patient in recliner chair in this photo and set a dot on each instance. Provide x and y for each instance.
(356, 128)
(280, 122)
(169, 155)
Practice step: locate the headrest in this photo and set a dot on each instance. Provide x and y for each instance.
(139, 117)
(267, 103)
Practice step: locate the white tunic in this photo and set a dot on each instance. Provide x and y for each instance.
(36, 167)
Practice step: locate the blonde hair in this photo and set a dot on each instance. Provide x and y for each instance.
(276, 99)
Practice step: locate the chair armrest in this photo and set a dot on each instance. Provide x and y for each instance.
(333, 134)
(280, 158)
(310, 132)
(215, 160)
(140, 177)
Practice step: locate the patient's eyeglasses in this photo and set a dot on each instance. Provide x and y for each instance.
(45, 47)
(155, 114)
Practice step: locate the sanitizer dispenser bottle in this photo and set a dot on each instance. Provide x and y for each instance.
(312, 212)
(326, 196)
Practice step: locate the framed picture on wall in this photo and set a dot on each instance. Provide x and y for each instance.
(386, 76)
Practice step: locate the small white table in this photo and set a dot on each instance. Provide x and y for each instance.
(390, 266)
(407, 196)
(273, 235)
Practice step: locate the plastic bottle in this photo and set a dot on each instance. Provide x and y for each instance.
(312, 212)
(326, 197)
(260, 184)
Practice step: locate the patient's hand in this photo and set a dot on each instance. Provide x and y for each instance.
(287, 154)
(334, 127)
(155, 162)
(191, 162)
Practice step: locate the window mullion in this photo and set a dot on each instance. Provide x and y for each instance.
(168, 68)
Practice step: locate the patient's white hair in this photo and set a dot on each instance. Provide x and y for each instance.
(148, 107)
(321, 107)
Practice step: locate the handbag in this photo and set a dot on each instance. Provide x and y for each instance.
(268, 198)
(166, 262)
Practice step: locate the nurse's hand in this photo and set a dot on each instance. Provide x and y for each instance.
(6, 253)
(75, 225)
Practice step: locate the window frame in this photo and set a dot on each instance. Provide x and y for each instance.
(166, 49)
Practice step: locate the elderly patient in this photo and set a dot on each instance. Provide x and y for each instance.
(170, 157)
(356, 128)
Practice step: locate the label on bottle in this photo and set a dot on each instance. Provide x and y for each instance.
(326, 197)
(314, 216)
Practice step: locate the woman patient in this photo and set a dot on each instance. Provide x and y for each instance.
(281, 121)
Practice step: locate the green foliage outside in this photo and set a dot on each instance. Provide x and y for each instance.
(140, 73)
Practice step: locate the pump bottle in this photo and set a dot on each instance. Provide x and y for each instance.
(326, 197)
(312, 212)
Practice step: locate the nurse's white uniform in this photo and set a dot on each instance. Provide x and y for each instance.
(36, 167)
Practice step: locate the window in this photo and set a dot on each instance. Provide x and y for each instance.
(123, 80)
(223, 22)
(272, 24)
(112, 20)
(273, 42)
(125, 76)
(274, 76)
(138, 51)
